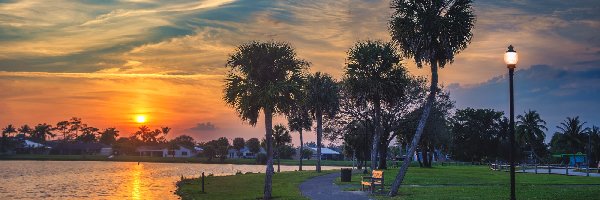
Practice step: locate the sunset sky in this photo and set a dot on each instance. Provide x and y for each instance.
(109, 61)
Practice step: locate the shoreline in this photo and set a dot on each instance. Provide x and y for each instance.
(285, 162)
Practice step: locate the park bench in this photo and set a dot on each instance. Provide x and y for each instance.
(375, 180)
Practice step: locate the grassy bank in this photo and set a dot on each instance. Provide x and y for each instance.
(478, 182)
(246, 186)
(163, 160)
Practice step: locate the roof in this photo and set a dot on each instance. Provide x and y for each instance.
(31, 144)
(325, 150)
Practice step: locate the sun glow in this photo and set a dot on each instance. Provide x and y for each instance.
(140, 119)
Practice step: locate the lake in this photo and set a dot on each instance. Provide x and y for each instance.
(106, 180)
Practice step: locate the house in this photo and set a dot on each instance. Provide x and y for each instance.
(164, 151)
(31, 147)
(244, 153)
(326, 153)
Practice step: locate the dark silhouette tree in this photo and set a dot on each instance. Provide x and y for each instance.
(109, 136)
(238, 145)
(25, 130)
(431, 32)
(299, 120)
(184, 141)
(264, 76)
(375, 76)
(281, 137)
(570, 137)
(41, 132)
(530, 131)
(75, 125)
(9, 129)
(253, 145)
(88, 134)
(322, 99)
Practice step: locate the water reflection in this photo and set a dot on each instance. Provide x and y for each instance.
(104, 180)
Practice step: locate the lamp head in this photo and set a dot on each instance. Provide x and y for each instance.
(511, 58)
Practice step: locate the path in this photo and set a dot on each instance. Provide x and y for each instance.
(324, 188)
(572, 172)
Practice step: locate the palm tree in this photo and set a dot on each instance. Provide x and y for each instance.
(530, 129)
(299, 120)
(374, 75)
(281, 137)
(10, 129)
(41, 132)
(264, 76)
(431, 32)
(322, 98)
(5, 134)
(572, 132)
(25, 130)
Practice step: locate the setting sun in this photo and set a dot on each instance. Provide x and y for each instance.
(140, 118)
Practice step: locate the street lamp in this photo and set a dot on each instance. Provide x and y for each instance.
(511, 58)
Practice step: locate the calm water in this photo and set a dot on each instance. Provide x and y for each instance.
(104, 180)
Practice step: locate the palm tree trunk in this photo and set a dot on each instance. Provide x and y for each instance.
(269, 137)
(419, 132)
(278, 160)
(301, 150)
(376, 135)
(319, 138)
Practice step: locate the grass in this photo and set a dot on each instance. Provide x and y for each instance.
(246, 186)
(164, 160)
(478, 182)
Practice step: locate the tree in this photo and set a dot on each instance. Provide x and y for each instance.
(184, 141)
(63, 127)
(75, 125)
(88, 134)
(476, 133)
(238, 145)
(253, 145)
(41, 132)
(594, 136)
(299, 120)
(25, 130)
(570, 137)
(375, 76)
(430, 32)
(152, 137)
(281, 137)
(322, 99)
(264, 76)
(220, 146)
(109, 136)
(5, 134)
(530, 132)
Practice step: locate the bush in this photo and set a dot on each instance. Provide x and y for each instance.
(261, 158)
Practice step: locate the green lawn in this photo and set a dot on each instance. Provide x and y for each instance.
(161, 159)
(246, 186)
(478, 182)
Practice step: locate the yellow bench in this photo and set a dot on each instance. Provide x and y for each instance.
(375, 180)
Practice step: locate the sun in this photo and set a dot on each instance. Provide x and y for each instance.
(140, 119)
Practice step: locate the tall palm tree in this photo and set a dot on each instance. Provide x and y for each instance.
(42, 131)
(25, 130)
(431, 32)
(9, 129)
(264, 76)
(5, 134)
(573, 132)
(374, 75)
(530, 129)
(322, 98)
(281, 137)
(299, 120)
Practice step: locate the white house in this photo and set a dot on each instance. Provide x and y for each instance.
(162, 151)
(326, 153)
(245, 153)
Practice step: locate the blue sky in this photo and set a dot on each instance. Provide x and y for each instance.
(104, 55)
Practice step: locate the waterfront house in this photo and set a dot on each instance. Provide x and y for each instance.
(165, 151)
(244, 153)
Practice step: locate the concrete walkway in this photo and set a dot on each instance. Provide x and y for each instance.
(562, 171)
(324, 188)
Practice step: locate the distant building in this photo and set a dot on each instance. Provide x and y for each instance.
(164, 151)
(326, 153)
(244, 153)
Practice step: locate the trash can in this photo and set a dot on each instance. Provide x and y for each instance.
(346, 174)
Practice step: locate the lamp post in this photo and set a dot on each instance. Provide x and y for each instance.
(511, 58)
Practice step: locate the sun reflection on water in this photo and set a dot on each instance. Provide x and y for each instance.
(136, 182)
